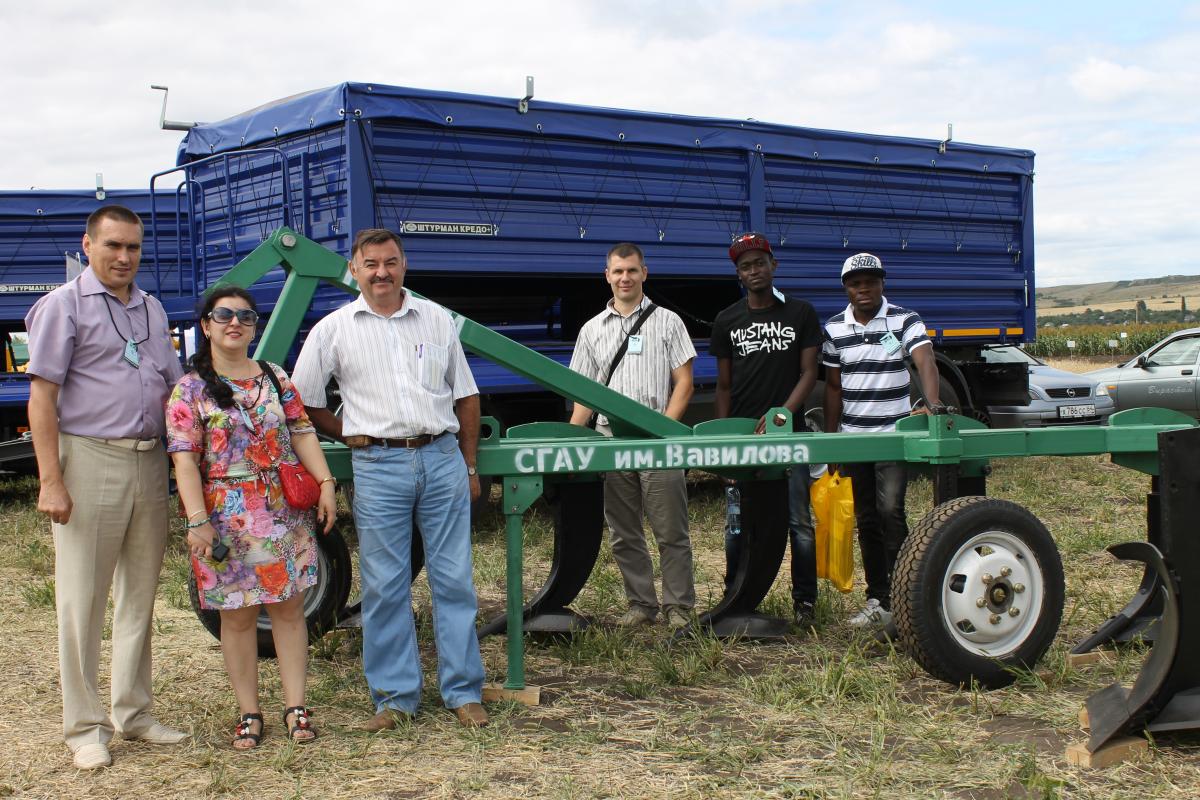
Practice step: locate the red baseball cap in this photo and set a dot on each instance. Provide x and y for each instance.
(747, 242)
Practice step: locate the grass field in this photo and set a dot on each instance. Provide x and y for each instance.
(828, 714)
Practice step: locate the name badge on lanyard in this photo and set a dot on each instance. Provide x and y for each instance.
(890, 343)
(131, 354)
(635, 344)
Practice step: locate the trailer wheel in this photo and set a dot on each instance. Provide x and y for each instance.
(323, 601)
(978, 591)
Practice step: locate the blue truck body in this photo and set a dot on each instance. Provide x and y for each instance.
(38, 229)
(507, 215)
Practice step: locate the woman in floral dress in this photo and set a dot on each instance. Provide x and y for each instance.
(228, 429)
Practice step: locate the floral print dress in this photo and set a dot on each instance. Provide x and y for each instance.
(272, 552)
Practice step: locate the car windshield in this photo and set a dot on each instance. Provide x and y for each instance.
(1008, 354)
(1176, 353)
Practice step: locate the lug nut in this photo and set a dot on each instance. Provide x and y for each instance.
(987, 578)
(1014, 611)
(980, 603)
(1018, 587)
(1005, 572)
(994, 619)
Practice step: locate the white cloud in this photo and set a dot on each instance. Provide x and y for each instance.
(1113, 122)
(916, 43)
(1104, 81)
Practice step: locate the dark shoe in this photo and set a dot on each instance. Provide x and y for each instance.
(635, 617)
(887, 633)
(386, 720)
(244, 732)
(300, 729)
(804, 615)
(471, 715)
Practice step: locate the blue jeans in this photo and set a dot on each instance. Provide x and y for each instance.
(391, 486)
(879, 490)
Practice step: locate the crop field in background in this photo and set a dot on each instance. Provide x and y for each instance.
(1094, 340)
(824, 714)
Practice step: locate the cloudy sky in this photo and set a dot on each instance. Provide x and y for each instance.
(1106, 93)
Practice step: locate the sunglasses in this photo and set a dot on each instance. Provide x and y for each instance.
(223, 316)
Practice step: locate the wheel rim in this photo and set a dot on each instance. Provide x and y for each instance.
(992, 594)
(313, 596)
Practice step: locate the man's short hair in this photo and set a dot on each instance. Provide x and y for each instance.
(374, 236)
(625, 250)
(115, 213)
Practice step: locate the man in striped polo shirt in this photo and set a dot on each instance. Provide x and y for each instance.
(867, 389)
(656, 371)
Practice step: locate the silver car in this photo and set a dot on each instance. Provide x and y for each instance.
(1056, 397)
(1164, 376)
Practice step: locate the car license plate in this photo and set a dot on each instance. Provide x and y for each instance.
(1075, 412)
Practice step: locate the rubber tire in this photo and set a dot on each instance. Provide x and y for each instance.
(323, 602)
(917, 590)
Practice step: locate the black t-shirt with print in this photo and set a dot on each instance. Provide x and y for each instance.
(764, 346)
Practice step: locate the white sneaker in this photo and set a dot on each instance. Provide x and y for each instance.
(158, 733)
(92, 756)
(873, 614)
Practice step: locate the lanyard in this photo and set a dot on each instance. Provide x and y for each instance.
(128, 339)
(240, 407)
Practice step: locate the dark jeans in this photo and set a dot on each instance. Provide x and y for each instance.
(800, 530)
(802, 536)
(882, 527)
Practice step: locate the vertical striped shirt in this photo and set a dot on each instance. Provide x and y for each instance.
(645, 376)
(399, 375)
(875, 382)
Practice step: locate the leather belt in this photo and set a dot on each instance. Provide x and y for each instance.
(411, 443)
(140, 445)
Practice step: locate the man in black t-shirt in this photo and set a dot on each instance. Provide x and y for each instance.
(766, 347)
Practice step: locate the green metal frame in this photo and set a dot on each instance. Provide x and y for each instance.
(644, 439)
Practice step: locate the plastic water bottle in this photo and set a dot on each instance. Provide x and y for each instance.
(733, 510)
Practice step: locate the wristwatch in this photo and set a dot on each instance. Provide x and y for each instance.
(472, 471)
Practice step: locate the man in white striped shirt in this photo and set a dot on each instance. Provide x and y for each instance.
(866, 389)
(656, 371)
(410, 414)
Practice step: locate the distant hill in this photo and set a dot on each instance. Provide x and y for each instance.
(1159, 294)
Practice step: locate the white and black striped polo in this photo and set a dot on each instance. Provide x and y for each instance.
(875, 382)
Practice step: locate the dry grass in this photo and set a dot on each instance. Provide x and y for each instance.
(829, 715)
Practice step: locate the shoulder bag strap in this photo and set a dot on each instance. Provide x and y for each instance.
(637, 326)
(270, 373)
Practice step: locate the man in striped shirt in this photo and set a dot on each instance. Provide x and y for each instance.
(656, 371)
(410, 415)
(867, 389)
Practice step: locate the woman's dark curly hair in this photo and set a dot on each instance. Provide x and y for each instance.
(202, 361)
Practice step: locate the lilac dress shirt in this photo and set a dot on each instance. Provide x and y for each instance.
(74, 343)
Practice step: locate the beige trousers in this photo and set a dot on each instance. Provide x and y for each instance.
(662, 496)
(115, 538)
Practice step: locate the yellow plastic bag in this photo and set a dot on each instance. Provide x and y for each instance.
(833, 514)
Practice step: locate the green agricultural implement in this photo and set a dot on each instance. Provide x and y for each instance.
(978, 590)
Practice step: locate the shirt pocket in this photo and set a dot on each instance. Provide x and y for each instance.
(431, 365)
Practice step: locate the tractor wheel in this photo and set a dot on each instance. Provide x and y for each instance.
(978, 591)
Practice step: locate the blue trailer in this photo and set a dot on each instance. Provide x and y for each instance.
(508, 208)
(39, 230)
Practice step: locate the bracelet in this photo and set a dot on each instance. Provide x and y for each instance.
(327, 480)
(194, 513)
(200, 524)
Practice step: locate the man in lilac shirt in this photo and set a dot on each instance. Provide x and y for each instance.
(101, 365)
